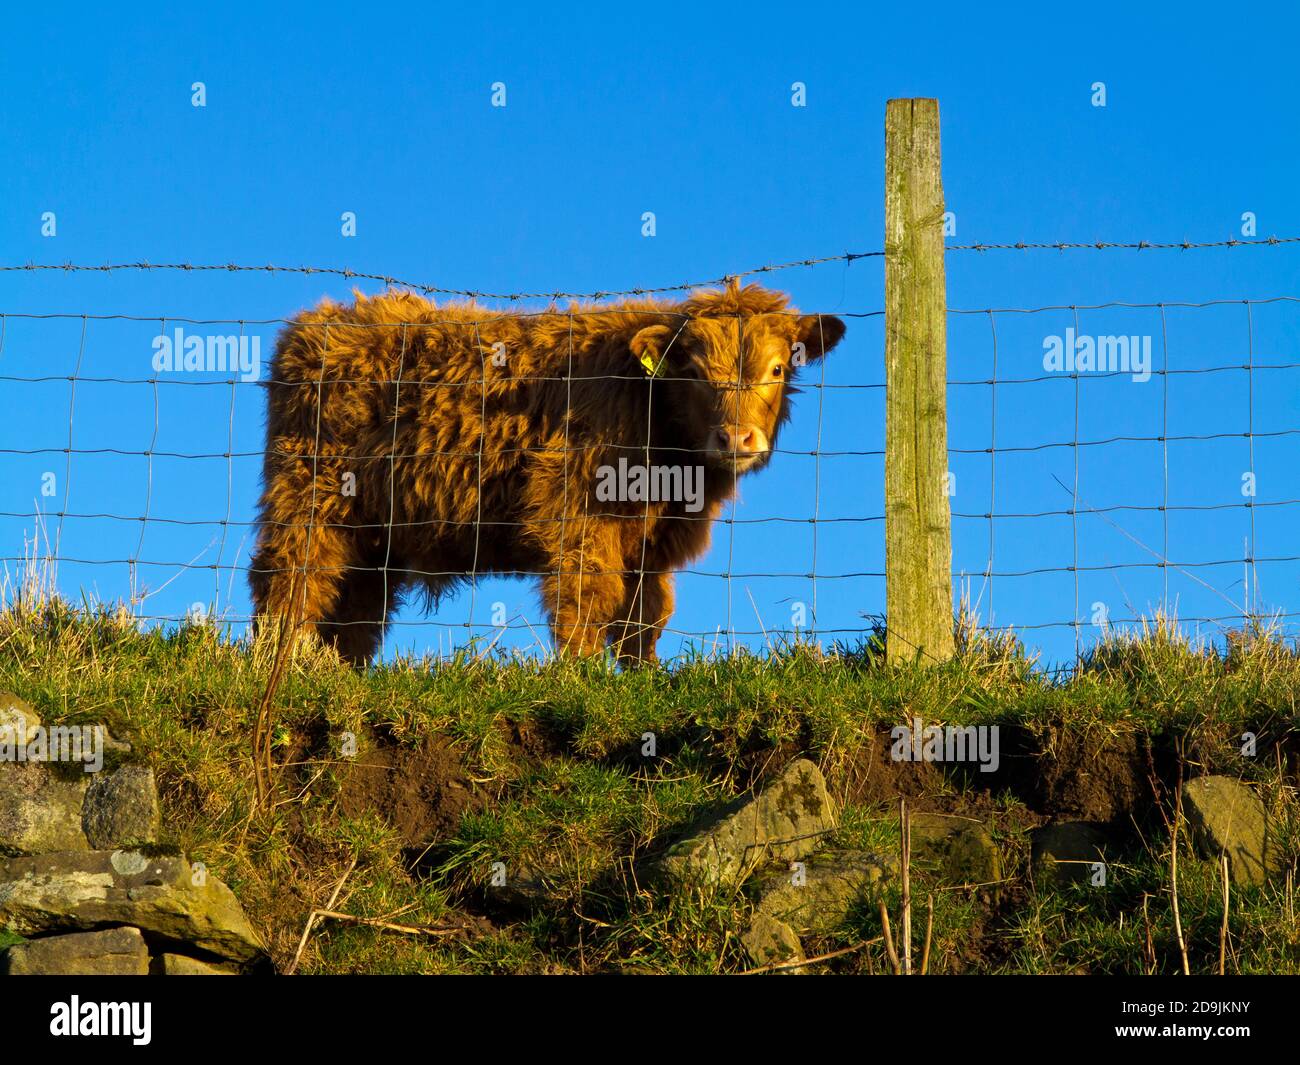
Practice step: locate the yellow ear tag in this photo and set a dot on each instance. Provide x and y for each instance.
(647, 360)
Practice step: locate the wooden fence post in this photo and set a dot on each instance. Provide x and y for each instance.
(918, 532)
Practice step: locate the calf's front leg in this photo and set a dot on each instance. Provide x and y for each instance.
(582, 594)
(647, 605)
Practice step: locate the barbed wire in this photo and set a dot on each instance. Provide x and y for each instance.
(844, 257)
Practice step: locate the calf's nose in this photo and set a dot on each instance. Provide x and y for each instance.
(740, 439)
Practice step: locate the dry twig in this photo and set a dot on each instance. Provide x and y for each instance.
(929, 928)
(311, 917)
(905, 845)
(889, 939)
(777, 966)
(1173, 883)
(1223, 929)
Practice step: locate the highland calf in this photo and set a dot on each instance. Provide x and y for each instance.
(410, 447)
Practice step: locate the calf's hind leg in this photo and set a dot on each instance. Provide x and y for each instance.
(355, 625)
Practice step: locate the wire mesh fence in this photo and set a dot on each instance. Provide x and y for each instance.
(1106, 461)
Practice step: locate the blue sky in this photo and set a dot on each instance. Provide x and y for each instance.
(684, 111)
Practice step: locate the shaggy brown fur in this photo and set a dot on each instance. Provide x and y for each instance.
(411, 446)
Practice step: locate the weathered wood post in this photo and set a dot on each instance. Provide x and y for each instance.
(918, 532)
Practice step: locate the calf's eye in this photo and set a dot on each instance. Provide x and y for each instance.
(778, 371)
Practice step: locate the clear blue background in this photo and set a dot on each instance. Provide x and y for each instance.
(684, 111)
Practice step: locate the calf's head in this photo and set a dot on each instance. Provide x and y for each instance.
(727, 361)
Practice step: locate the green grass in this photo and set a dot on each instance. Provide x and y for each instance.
(568, 803)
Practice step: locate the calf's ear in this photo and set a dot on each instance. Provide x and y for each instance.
(819, 333)
(649, 346)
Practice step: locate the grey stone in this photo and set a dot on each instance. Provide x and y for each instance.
(818, 895)
(524, 887)
(958, 849)
(773, 942)
(112, 952)
(182, 965)
(71, 891)
(785, 821)
(121, 808)
(40, 810)
(1226, 816)
(18, 720)
(1068, 851)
